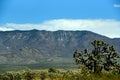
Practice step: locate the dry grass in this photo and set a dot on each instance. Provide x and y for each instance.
(60, 74)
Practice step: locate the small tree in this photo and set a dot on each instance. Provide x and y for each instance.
(102, 57)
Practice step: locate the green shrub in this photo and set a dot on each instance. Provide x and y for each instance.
(52, 70)
(43, 75)
(29, 75)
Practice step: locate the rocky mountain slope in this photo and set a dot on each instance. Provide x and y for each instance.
(28, 47)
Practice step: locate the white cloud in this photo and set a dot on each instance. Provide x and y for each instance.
(117, 5)
(108, 27)
(5, 29)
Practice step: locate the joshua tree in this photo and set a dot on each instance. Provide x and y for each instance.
(101, 57)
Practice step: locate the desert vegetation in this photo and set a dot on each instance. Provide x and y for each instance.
(102, 57)
(102, 63)
(59, 74)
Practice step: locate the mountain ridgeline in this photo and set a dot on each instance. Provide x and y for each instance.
(35, 46)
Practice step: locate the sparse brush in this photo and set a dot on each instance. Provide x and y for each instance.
(83, 74)
(43, 75)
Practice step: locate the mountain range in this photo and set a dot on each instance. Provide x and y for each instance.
(36, 46)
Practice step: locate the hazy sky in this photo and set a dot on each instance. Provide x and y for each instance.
(100, 16)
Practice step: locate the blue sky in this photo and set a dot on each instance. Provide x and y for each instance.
(35, 11)
(14, 13)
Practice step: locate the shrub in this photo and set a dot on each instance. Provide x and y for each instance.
(43, 75)
(29, 75)
(52, 70)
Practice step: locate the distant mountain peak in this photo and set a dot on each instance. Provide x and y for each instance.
(24, 46)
